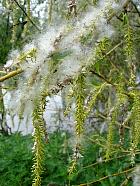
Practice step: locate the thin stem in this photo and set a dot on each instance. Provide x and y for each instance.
(106, 177)
(50, 12)
(136, 7)
(11, 74)
(101, 77)
(106, 161)
(27, 15)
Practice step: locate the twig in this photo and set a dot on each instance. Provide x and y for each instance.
(101, 77)
(11, 74)
(2, 72)
(135, 7)
(114, 48)
(106, 177)
(124, 183)
(106, 161)
(27, 15)
(114, 13)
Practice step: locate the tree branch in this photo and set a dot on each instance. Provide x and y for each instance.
(11, 74)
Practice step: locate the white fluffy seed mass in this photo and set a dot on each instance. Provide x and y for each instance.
(65, 38)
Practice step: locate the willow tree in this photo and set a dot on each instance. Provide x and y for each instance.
(94, 55)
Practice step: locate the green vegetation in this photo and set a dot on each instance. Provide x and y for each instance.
(16, 162)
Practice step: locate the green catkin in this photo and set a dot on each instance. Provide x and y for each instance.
(79, 94)
(99, 56)
(39, 135)
(110, 136)
(135, 112)
(129, 40)
(101, 48)
(128, 37)
(129, 47)
(135, 118)
(69, 102)
(40, 126)
(80, 98)
(94, 97)
(120, 100)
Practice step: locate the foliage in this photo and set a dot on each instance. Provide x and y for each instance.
(5, 44)
(16, 162)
